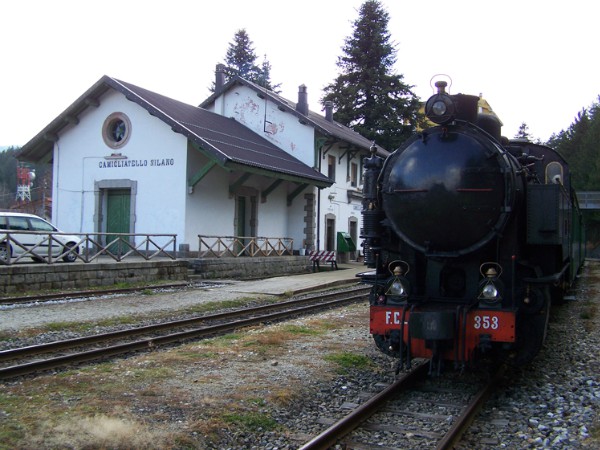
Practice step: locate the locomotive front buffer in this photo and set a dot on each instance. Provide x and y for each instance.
(439, 330)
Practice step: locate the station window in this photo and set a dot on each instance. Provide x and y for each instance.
(331, 167)
(116, 130)
(353, 174)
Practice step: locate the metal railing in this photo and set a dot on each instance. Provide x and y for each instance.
(53, 247)
(243, 246)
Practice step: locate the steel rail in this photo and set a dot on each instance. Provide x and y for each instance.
(454, 434)
(6, 355)
(153, 342)
(336, 432)
(342, 427)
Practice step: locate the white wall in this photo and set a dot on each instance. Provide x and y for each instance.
(79, 162)
(296, 213)
(273, 217)
(339, 205)
(210, 211)
(284, 129)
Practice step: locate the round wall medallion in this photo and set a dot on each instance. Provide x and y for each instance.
(116, 130)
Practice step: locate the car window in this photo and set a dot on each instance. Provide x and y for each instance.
(40, 225)
(3, 222)
(18, 223)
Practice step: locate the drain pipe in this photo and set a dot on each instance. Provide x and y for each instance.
(319, 190)
(318, 218)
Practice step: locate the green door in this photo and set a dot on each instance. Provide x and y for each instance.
(118, 203)
(245, 224)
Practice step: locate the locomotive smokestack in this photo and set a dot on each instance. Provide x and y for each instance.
(441, 86)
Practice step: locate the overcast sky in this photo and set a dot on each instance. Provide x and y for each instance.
(535, 61)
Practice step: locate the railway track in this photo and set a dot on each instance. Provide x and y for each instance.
(417, 410)
(37, 358)
(56, 296)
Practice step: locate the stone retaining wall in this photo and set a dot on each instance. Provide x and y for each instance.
(34, 277)
(240, 268)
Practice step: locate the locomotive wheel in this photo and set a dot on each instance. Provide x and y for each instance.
(537, 299)
(557, 294)
(383, 344)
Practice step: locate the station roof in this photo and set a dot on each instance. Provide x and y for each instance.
(222, 139)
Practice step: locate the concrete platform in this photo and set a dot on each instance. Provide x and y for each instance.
(297, 284)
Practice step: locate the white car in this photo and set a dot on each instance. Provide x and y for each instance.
(33, 236)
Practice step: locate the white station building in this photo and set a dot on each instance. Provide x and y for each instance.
(246, 162)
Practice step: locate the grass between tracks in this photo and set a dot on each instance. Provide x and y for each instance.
(192, 396)
(131, 320)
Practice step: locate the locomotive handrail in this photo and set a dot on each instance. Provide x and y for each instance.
(243, 246)
(548, 279)
(88, 248)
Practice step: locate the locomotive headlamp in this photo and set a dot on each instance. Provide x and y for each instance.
(490, 288)
(399, 286)
(489, 291)
(397, 289)
(440, 108)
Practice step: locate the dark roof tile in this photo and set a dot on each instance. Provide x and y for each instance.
(223, 139)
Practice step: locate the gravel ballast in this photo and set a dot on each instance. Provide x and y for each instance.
(282, 372)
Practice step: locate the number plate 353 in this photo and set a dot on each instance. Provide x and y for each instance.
(499, 324)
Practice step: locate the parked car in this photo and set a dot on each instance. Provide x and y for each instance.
(30, 235)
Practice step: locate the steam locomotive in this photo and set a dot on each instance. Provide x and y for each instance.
(471, 236)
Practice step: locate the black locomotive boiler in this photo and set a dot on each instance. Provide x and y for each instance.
(471, 236)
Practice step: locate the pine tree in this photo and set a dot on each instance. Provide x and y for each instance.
(240, 60)
(578, 144)
(523, 132)
(8, 177)
(367, 95)
(265, 77)
(590, 144)
(571, 145)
